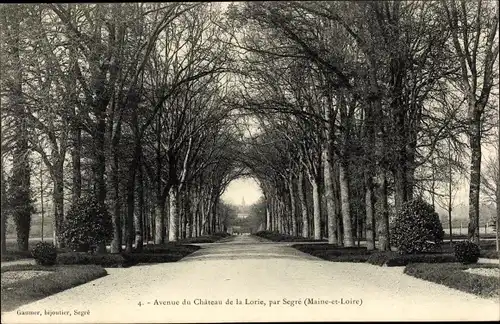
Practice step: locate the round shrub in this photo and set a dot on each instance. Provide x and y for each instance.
(87, 224)
(466, 252)
(417, 228)
(44, 253)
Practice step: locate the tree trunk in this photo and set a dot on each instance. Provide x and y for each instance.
(100, 163)
(317, 208)
(450, 194)
(303, 204)
(346, 209)
(280, 216)
(204, 203)
(293, 209)
(58, 199)
(214, 217)
(475, 176)
(329, 196)
(497, 223)
(173, 194)
(276, 215)
(116, 243)
(21, 169)
(3, 209)
(370, 219)
(268, 211)
(100, 158)
(129, 219)
(382, 214)
(160, 220)
(338, 204)
(139, 214)
(76, 159)
(187, 213)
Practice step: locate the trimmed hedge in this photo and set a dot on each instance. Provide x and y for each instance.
(82, 258)
(16, 255)
(334, 253)
(489, 254)
(278, 237)
(150, 254)
(205, 238)
(453, 275)
(136, 258)
(393, 259)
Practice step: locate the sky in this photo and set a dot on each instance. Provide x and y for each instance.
(242, 188)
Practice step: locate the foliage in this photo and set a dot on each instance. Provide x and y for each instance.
(417, 228)
(44, 253)
(453, 275)
(59, 278)
(467, 252)
(87, 224)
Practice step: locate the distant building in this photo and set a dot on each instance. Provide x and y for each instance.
(243, 210)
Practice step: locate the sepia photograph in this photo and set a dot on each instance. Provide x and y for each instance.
(250, 161)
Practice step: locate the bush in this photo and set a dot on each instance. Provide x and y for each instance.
(87, 224)
(44, 253)
(417, 228)
(467, 252)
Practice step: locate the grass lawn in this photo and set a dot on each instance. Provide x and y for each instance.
(278, 237)
(59, 278)
(453, 275)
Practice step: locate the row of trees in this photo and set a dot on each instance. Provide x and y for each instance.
(126, 102)
(368, 101)
(360, 107)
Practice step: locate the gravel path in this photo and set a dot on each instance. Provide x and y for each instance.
(273, 282)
